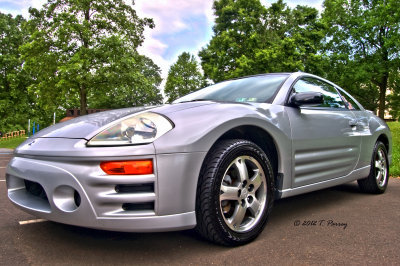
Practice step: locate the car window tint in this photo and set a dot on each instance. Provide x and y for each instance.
(331, 96)
(351, 104)
(258, 89)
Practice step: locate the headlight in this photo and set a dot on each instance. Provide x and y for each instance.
(138, 129)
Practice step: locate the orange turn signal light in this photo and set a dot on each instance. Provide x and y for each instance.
(137, 167)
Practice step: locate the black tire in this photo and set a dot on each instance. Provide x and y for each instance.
(378, 177)
(222, 220)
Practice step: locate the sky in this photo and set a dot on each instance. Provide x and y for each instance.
(180, 25)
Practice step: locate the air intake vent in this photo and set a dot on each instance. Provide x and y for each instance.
(35, 189)
(145, 206)
(136, 188)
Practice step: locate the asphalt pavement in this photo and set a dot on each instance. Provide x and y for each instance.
(339, 225)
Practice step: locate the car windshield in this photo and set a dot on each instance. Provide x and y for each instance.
(259, 89)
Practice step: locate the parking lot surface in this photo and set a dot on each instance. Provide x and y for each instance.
(333, 226)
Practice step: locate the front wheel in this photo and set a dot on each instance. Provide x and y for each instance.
(235, 193)
(378, 178)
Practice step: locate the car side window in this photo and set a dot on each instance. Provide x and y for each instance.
(351, 104)
(331, 96)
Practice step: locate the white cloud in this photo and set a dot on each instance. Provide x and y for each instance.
(169, 17)
(20, 7)
(153, 46)
(154, 49)
(38, 4)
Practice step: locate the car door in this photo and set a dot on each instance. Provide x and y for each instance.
(324, 143)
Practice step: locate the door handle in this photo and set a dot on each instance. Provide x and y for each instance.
(353, 122)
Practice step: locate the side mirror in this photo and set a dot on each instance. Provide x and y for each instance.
(306, 98)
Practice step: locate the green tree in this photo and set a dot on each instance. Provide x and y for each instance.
(184, 77)
(142, 90)
(364, 38)
(292, 41)
(394, 96)
(238, 26)
(250, 39)
(14, 100)
(78, 46)
(345, 72)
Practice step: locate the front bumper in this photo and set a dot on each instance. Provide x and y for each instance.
(76, 191)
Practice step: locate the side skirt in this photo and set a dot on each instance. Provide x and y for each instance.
(354, 175)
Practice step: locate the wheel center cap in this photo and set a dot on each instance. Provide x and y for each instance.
(245, 193)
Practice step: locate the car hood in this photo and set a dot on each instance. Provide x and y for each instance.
(84, 127)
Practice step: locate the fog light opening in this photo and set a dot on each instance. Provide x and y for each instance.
(66, 198)
(77, 199)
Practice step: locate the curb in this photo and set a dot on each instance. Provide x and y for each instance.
(6, 151)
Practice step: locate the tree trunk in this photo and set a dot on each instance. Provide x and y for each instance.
(382, 95)
(83, 100)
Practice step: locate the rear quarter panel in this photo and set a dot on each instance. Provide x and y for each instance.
(371, 128)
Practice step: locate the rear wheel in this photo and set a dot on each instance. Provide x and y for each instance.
(378, 178)
(235, 193)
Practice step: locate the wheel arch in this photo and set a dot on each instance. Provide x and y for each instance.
(385, 140)
(257, 135)
(264, 140)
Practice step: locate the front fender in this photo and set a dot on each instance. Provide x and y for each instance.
(197, 129)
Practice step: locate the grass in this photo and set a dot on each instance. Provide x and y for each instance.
(395, 167)
(12, 143)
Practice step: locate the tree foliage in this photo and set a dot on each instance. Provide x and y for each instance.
(14, 100)
(363, 38)
(250, 39)
(142, 90)
(394, 96)
(184, 76)
(80, 48)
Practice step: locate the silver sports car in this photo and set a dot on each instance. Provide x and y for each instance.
(214, 160)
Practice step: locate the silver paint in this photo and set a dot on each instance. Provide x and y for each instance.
(315, 148)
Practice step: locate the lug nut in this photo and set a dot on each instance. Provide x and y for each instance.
(250, 199)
